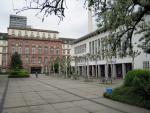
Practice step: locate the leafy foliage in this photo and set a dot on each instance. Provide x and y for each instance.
(56, 65)
(121, 17)
(16, 62)
(127, 95)
(18, 73)
(135, 90)
(140, 81)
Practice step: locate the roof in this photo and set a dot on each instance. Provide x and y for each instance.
(94, 33)
(18, 16)
(67, 40)
(3, 36)
(33, 29)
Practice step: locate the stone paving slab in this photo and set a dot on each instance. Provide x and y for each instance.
(53, 95)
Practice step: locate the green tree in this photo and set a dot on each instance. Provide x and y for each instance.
(16, 62)
(56, 65)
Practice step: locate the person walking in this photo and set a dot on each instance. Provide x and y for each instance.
(36, 74)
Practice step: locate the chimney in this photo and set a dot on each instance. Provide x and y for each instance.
(90, 26)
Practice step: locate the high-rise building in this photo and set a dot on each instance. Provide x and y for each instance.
(17, 21)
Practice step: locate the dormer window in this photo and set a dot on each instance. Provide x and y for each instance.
(13, 32)
(37, 34)
(43, 35)
(19, 33)
(26, 34)
(32, 34)
(54, 35)
(49, 35)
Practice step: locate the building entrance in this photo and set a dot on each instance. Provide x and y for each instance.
(36, 69)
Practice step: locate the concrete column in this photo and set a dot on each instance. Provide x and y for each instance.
(92, 70)
(123, 70)
(87, 71)
(114, 71)
(96, 71)
(99, 71)
(106, 71)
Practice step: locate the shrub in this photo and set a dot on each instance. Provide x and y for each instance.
(135, 90)
(140, 81)
(127, 95)
(18, 73)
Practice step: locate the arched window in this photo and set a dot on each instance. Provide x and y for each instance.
(40, 50)
(51, 50)
(57, 51)
(46, 50)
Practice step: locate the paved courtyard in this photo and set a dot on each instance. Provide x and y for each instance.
(57, 95)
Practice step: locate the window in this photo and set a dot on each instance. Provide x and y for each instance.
(13, 49)
(33, 50)
(13, 32)
(39, 60)
(57, 51)
(146, 65)
(54, 35)
(51, 50)
(37, 35)
(4, 49)
(40, 50)
(43, 35)
(45, 60)
(26, 34)
(46, 50)
(95, 47)
(63, 51)
(49, 36)
(19, 33)
(20, 50)
(27, 50)
(27, 59)
(4, 59)
(33, 60)
(32, 35)
(68, 52)
(90, 47)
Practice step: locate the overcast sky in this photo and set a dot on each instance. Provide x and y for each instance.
(74, 24)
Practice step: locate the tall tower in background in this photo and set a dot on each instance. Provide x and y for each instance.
(18, 21)
(90, 23)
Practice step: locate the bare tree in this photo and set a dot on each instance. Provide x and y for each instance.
(45, 7)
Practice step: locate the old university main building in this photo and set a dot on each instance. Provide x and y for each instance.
(37, 47)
